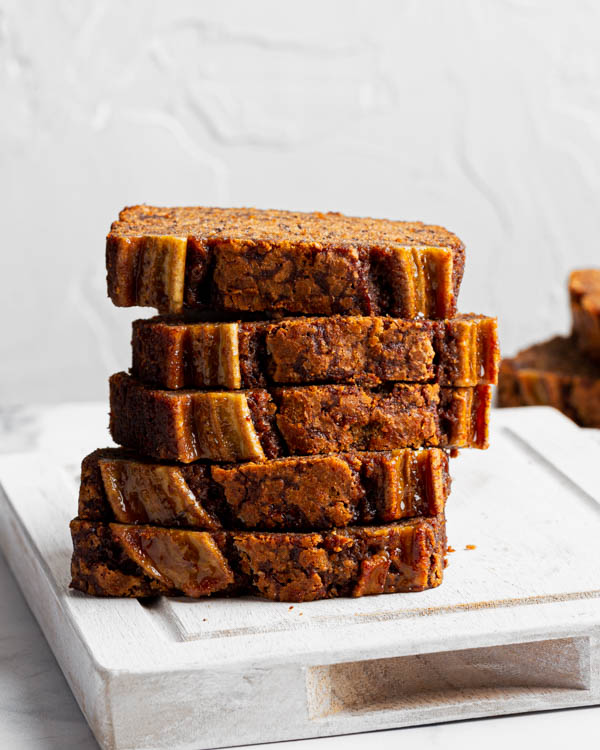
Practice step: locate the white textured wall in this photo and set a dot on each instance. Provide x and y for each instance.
(482, 116)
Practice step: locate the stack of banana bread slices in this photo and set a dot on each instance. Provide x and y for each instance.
(564, 371)
(287, 419)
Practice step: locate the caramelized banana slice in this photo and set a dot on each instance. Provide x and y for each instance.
(161, 273)
(215, 357)
(187, 560)
(225, 422)
(141, 492)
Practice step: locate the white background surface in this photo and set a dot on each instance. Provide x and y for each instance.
(482, 115)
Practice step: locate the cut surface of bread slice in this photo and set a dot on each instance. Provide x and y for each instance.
(259, 424)
(111, 559)
(303, 493)
(251, 260)
(171, 352)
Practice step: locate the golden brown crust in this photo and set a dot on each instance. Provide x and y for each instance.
(123, 560)
(553, 373)
(253, 224)
(189, 425)
(174, 353)
(278, 262)
(288, 494)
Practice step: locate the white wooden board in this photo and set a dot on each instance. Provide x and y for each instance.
(515, 626)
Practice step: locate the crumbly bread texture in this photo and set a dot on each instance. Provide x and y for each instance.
(281, 262)
(173, 353)
(554, 373)
(287, 494)
(111, 559)
(257, 424)
(584, 293)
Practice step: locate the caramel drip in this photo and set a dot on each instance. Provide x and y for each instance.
(189, 561)
(140, 492)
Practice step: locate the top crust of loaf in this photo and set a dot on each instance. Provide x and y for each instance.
(291, 227)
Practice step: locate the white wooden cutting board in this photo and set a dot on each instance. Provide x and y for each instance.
(515, 626)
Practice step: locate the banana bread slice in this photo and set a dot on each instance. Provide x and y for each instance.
(289, 494)
(111, 559)
(584, 293)
(171, 352)
(258, 424)
(246, 259)
(553, 373)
